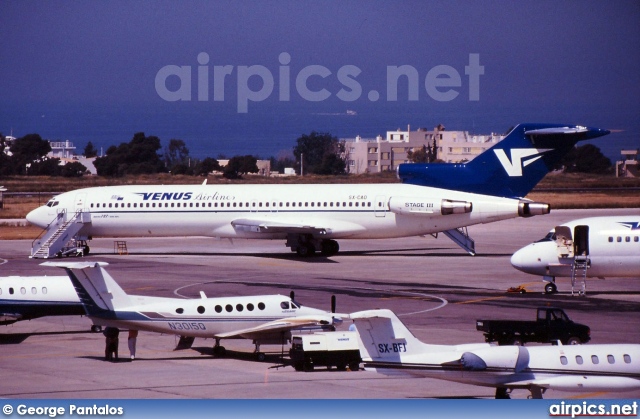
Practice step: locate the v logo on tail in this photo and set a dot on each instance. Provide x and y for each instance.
(514, 166)
(534, 150)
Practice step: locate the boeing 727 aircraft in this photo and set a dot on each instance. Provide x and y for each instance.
(388, 347)
(266, 319)
(595, 247)
(432, 198)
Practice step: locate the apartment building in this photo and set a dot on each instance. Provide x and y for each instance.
(374, 155)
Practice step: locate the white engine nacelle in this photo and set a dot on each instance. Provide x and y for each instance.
(429, 207)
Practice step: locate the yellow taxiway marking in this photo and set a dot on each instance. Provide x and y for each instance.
(481, 299)
(597, 395)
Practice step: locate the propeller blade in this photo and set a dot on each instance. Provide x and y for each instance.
(292, 295)
(333, 303)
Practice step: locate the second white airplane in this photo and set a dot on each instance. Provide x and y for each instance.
(595, 247)
(265, 319)
(432, 198)
(388, 347)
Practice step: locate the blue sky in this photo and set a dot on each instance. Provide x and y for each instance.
(538, 57)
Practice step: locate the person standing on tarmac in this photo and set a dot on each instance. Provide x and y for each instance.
(131, 341)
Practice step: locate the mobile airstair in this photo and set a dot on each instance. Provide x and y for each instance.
(60, 236)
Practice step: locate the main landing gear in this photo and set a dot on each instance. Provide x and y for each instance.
(550, 287)
(306, 245)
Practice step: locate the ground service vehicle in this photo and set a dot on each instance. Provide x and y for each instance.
(329, 349)
(551, 325)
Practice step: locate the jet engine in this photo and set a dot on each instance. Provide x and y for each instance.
(420, 206)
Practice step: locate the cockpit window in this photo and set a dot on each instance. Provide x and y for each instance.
(284, 305)
(52, 203)
(551, 236)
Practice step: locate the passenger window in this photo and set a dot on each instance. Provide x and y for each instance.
(330, 204)
(166, 205)
(129, 205)
(563, 360)
(11, 290)
(200, 309)
(229, 308)
(619, 240)
(579, 360)
(0, 291)
(172, 205)
(239, 307)
(23, 290)
(350, 204)
(250, 307)
(611, 359)
(33, 290)
(261, 306)
(179, 310)
(44, 290)
(627, 358)
(284, 305)
(218, 309)
(356, 204)
(594, 359)
(627, 239)
(635, 239)
(234, 205)
(109, 205)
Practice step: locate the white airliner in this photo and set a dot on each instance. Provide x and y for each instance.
(432, 198)
(30, 297)
(266, 319)
(388, 347)
(595, 247)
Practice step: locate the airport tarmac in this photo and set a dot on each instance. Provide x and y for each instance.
(436, 288)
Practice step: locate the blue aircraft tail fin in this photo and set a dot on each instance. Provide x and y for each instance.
(511, 168)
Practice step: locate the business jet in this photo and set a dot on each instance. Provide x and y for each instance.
(432, 198)
(266, 319)
(388, 347)
(585, 248)
(26, 298)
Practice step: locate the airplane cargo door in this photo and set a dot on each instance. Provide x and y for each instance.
(581, 240)
(381, 206)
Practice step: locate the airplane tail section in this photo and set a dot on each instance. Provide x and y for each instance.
(511, 168)
(97, 290)
(383, 337)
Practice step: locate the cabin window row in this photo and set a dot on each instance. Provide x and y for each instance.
(23, 290)
(229, 308)
(627, 239)
(231, 204)
(595, 360)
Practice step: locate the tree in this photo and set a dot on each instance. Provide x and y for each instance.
(73, 169)
(44, 167)
(586, 159)
(28, 150)
(176, 152)
(240, 165)
(139, 156)
(321, 153)
(90, 151)
(206, 166)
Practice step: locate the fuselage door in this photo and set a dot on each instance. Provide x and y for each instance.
(564, 242)
(581, 240)
(80, 202)
(381, 206)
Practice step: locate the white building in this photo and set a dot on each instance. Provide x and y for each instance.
(374, 155)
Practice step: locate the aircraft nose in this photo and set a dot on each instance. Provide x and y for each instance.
(524, 259)
(38, 217)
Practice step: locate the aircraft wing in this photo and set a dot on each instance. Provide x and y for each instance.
(281, 325)
(316, 226)
(256, 225)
